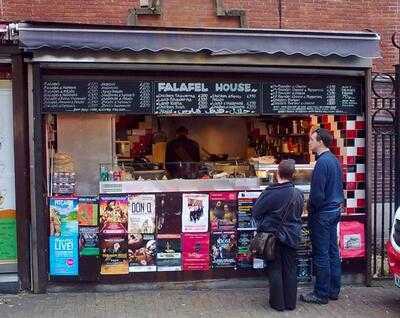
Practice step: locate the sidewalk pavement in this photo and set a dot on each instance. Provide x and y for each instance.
(355, 301)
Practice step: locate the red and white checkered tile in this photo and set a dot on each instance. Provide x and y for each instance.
(349, 147)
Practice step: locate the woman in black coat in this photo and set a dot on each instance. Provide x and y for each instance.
(268, 212)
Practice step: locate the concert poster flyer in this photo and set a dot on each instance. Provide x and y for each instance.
(246, 201)
(169, 213)
(223, 249)
(195, 212)
(89, 241)
(63, 216)
(196, 251)
(88, 211)
(244, 258)
(141, 213)
(142, 252)
(169, 252)
(113, 214)
(223, 211)
(114, 256)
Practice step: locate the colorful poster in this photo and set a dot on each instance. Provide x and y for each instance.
(114, 255)
(223, 211)
(244, 258)
(223, 249)
(89, 241)
(169, 252)
(141, 213)
(63, 216)
(8, 236)
(64, 256)
(142, 252)
(195, 212)
(246, 201)
(169, 213)
(113, 214)
(196, 251)
(88, 211)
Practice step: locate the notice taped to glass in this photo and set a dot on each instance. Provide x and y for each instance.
(312, 96)
(213, 98)
(95, 95)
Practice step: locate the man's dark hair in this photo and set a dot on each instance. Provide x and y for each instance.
(286, 169)
(182, 130)
(324, 135)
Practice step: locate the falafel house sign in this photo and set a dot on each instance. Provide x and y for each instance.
(211, 98)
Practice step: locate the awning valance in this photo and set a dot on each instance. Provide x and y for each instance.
(214, 41)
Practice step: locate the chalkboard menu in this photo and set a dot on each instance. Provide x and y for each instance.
(271, 95)
(312, 96)
(95, 96)
(211, 98)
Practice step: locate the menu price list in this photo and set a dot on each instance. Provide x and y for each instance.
(80, 95)
(215, 98)
(311, 97)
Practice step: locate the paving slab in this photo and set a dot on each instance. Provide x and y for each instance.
(355, 301)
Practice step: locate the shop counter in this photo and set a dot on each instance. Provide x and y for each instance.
(180, 185)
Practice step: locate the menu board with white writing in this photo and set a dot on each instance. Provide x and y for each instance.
(312, 96)
(212, 98)
(270, 95)
(95, 95)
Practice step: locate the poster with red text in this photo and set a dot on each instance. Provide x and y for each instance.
(196, 251)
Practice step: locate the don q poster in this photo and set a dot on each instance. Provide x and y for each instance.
(141, 213)
(194, 212)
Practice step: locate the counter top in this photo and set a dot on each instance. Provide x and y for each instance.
(185, 185)
(180, 185)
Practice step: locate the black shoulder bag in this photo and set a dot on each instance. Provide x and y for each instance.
(263, 244)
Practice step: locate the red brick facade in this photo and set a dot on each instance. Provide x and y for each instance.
(381, 16)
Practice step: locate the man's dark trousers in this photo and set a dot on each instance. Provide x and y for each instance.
(282, 275)
(326, 260)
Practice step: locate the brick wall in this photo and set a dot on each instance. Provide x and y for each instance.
(379, 15)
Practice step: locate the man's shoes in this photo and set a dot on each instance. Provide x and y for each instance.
(334, 297)
(313, 299)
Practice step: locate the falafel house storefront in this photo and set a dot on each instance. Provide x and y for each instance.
(152, 164)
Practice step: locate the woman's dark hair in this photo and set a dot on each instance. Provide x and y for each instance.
(325, 136)
(286, 169)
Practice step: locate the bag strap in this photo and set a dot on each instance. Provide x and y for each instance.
(286, 210)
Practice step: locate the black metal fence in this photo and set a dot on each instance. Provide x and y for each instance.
(383, 143)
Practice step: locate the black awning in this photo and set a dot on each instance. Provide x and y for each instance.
(35, 36)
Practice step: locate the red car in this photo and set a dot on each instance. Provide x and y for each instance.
(393, 249)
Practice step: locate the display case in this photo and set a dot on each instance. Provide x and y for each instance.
(302, 178)
(302, 175)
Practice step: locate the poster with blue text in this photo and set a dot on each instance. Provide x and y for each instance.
(64, 256)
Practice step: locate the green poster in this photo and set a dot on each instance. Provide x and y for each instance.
(8, 239)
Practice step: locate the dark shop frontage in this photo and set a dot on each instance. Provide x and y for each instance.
(113, 196)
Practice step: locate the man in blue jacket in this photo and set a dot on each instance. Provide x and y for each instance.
(325, 205)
